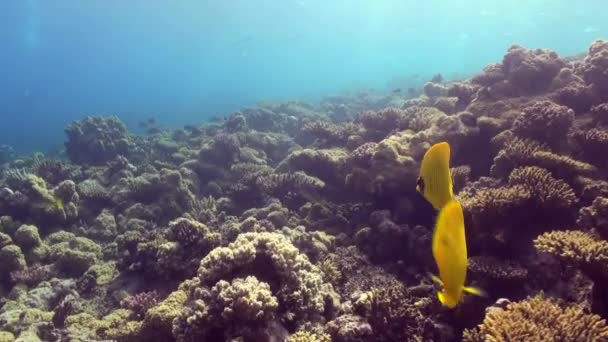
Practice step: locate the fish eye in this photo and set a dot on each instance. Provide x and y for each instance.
(420, 184)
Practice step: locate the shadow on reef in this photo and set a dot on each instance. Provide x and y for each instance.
(298, 222)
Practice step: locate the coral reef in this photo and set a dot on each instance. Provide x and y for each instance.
(300, 222)
(538, 319)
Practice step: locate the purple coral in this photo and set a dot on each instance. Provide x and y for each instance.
(32, 275)
(140, 303)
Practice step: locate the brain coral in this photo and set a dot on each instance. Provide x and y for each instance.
(538, 319)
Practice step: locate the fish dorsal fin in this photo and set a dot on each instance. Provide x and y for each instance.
(435, 180)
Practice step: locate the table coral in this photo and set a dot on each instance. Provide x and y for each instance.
(577, 247)
(538, 319)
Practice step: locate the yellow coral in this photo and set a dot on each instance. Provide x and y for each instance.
(308, 336)
(538, 319)
(576, 247)
(545, 189)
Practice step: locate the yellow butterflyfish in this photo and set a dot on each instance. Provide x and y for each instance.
(435, 180)
(450, 253)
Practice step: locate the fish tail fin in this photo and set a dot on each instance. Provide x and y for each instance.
(475, 291)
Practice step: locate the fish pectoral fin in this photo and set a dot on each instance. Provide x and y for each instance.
(436, 279)
(475, 291)
(441, 297)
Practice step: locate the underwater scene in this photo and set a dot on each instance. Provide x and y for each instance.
(303, 171)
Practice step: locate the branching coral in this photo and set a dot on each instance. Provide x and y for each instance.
(546, 191)
(329, 133)
(308, 336)
(506, 208)
(595, 216)
(518, 152)
(460, 176)
(242, 300)
(538, 319)
(496, 269)
(140, 303)
(579, 248)
(594, 144)
(298, 182)
(501, 278)
(394, 314)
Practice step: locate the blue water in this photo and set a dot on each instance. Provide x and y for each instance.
(184, 61)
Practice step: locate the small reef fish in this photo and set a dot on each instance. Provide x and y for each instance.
(435, 180)
(450, 253)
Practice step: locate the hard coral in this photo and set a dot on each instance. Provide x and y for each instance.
(71, 254)
(530, 71)
(579, 248)
(595, 67)
(547, 192)
(595, 216)
(97, 140)
(544, 121)
(394, 314)
(242, 301)
(140, 303)
(301, 286)
(538, 319)
(241, 308)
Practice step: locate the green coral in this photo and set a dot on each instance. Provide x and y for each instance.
(105, 271)
(11, 259)
(27, 236)
(157, 323)
(115, 326)
(72, 254)
(6, 336)
(309, 336)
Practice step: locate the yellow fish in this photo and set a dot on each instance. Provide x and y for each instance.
(450, 253)
(435, 180)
